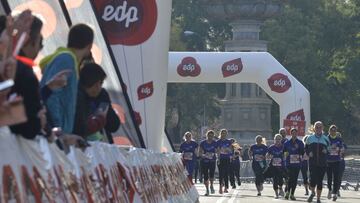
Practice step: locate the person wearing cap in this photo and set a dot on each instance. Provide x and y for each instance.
(294, 150)
(316, 146)
(333, 163)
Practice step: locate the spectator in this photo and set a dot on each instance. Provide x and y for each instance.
(62, 102)
(94, 115)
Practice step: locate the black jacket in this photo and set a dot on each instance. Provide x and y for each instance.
(85, 107)
(27, 86)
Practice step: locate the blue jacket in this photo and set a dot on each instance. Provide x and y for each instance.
(317, 149)
(62, 102)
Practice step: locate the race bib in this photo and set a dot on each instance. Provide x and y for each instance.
(209, 155)
(188, 156)
(259, 157)
(334, 151)
(225, 150)
(277, 162)
(294, 159)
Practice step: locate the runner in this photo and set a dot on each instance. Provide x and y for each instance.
(342, 162)
(276, 168)
(305, 169)
(293, 149)
(189, 150)
(224, 151)
(317, 148)
(235, 164)
(258, 152)
(282, 132)
(207, 151)
(333, 163)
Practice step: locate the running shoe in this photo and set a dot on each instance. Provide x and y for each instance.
(292, 197)
(259, 194)
(311, 197)
(226, 190)
(239, 183)
(207, 192)
(329, 194)
(287, 195)
(334, 198)
(281, 193)
(212, 189)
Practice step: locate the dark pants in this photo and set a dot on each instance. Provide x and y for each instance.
(208, 169)
(293, 177)
(317, 176)
(333, 176)
(198, 171)
(258, 171)
(278, 180)
(235, 172)
(224, 171)
(304, 171)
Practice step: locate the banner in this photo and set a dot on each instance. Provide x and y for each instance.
(36, 171)
(138, 34)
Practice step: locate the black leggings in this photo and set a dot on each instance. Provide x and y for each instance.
(304, 172)
(317, 176)
(258, 171)
(235, 172)
(208, 169)
(224, 172)
(293, 177)
(278, 178)
(333, 176)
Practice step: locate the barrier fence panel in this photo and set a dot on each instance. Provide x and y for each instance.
(36, 171)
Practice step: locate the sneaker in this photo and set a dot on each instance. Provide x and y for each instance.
(207, 192)
(226, 190)
(334, 198)
(281, 193)
(234, 187)
(292, 197)
(259, 194)
(311, 197)
(212, 191)
(287, 195)
(318, 201)
(239, 183)
(261, 187)
(276, 197)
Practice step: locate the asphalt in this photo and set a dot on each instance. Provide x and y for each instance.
(247, 193)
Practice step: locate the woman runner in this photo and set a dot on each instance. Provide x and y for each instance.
(207, 153)
(333, 163)
(189, 150)
(224, 150)
(317, 148)
(258, 152)
(293, 149)
(276, 154)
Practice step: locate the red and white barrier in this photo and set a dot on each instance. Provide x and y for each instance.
(36, 171)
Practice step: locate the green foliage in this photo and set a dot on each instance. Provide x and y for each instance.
(318, 41)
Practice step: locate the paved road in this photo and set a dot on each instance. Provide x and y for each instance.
(247, 193)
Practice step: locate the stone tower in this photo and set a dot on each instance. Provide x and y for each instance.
(246, 109)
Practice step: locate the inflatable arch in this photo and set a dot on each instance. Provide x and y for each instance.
(247, 67)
